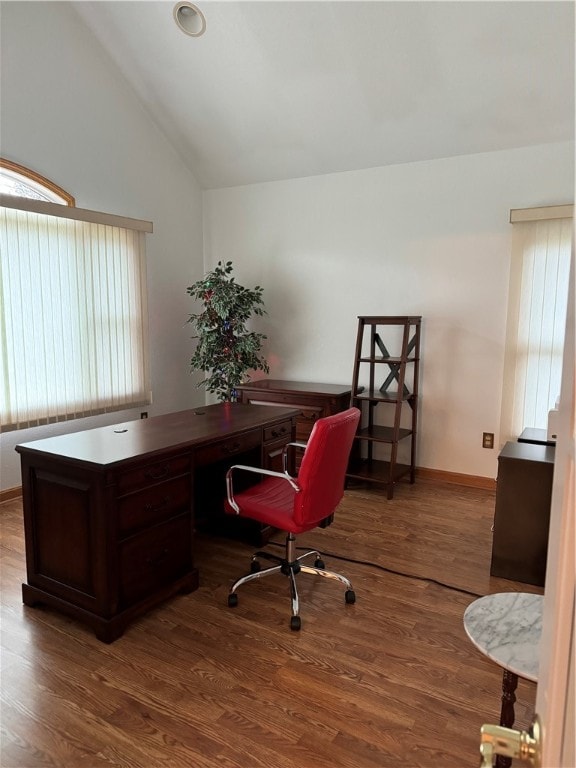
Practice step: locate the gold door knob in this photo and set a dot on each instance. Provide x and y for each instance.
(525, 745)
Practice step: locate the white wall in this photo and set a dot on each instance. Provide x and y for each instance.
(67, 114)
(428, 238)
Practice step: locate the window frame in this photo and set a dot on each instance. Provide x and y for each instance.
(28, 174)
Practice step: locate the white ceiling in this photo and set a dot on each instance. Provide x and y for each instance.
(277, 90)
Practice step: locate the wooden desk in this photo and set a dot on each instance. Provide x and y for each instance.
(109, 512)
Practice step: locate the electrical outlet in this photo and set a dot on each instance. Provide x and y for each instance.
(487, 439)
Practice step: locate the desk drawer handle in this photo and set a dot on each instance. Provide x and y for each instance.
(158, 507)
(159, 474)
(279, 432)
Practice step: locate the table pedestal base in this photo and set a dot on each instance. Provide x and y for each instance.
(507, 715)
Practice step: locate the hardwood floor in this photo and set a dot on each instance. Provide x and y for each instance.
(389, 681)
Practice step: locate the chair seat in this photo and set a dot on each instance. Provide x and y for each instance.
(271, 502)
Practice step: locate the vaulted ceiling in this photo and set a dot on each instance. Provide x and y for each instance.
(276, 90)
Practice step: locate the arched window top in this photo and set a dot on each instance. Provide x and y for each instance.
(20, 181)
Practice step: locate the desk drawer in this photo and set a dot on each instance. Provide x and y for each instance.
(305, 420)
(227, 449)
(278, 431)
(155, 558)
(152, 505)
(148, 474)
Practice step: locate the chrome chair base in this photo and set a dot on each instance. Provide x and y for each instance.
(290, 566)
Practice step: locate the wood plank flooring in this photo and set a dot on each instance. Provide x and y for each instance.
(389, 681)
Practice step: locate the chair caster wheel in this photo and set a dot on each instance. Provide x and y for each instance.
(319, 563)
(350, 596)
(232, 600)
(295, 623)
(255, 566)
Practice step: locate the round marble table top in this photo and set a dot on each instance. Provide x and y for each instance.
(506, 627)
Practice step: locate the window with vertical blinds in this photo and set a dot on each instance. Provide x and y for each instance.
(538, 295)
(73, 313)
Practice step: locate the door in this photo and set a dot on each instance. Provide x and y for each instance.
(555, 692)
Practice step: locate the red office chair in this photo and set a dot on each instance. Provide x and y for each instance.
(295, 505)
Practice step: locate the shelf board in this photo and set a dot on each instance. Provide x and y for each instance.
(389, 360)
(383, 397)
(376, 471)
(382, 434)
(390, 319)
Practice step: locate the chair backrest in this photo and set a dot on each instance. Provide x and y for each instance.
(323, 469)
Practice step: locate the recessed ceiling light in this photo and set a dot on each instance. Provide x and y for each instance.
(190, 19)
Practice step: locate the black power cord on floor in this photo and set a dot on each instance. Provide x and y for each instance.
(370, 564)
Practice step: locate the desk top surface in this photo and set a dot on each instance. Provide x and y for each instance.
(506, 627)
(535, 436)
(111, 445)
(528, 452)
(309, 387)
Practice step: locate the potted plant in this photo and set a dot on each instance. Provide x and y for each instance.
(226, 349)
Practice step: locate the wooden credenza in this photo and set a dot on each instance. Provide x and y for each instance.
(110, 513)
(313, 400)
(522, 515)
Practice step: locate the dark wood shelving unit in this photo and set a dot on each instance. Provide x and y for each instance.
(401, 372)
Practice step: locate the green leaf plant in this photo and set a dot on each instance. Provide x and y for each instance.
(226, 349)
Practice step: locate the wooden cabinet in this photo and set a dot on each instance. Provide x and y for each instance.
(522, 515)
(312, 400)
(109, 513)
